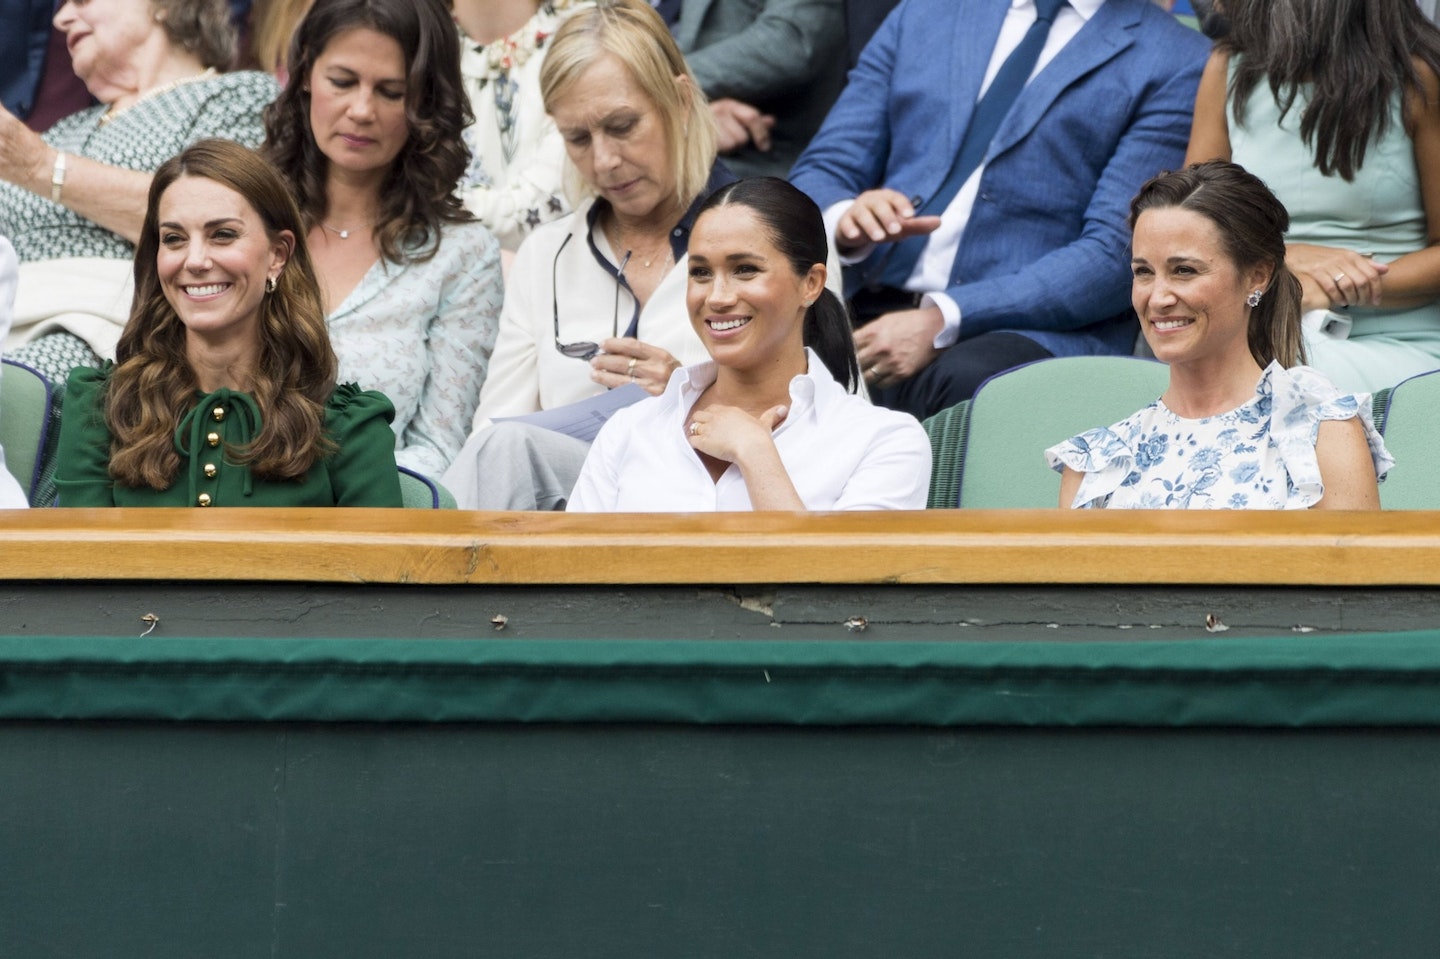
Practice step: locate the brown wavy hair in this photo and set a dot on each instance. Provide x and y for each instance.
(1353, 57)
(1252, 224)
(153, 387)
(418, 195)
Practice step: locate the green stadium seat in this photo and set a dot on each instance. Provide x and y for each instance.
(421, 492)
(1409, 425)
(1014, 416)
(25, 420)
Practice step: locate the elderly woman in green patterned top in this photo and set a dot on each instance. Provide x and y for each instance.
(73, 199)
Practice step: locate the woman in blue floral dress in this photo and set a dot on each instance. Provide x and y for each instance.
(1242, 425)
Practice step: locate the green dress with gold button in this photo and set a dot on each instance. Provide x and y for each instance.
(361, 471)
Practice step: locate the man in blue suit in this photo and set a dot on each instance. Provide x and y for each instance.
(1026, 255)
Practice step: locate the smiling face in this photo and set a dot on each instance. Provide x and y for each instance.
(616, 138)
(746, 301)
(357, 101)
(103, 35)
(1188, 293)
(213, 260)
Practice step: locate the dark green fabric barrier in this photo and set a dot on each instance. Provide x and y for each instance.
(1389, 680)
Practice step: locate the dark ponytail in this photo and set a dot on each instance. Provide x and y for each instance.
(795, 227)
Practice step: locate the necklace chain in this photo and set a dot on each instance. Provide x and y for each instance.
(112, 113)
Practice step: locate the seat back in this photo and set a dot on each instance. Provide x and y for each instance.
(1016, 415)
(1410, 422)
(946, 430)
(421, 492)
(24, 423)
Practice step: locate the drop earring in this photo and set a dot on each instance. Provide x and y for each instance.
(270, 284)
(1254, 298)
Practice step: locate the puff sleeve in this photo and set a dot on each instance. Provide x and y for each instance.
(82, 468)
(362, 468)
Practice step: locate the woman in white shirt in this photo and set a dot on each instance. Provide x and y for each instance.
(767, 423)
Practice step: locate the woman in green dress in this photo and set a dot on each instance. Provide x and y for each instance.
(223, 390)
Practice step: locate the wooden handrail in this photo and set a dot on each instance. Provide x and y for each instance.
(932, 547)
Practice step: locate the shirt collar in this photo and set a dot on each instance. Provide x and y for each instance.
(814, 389)
(1086, 8)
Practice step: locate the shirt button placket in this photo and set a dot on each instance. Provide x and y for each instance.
(211, 470)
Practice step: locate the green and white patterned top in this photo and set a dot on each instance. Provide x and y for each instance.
(141, 138)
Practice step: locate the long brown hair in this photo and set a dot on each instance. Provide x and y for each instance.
(1353, 56)
(153, 386)
(418, 194)
(1252, 224)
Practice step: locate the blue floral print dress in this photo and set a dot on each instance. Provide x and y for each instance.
(1258, 456)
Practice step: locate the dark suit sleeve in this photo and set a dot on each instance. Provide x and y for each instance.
(848, 156)
(1088, 279)
(782, 49)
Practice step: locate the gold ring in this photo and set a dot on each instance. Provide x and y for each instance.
(630, 369)
(1340, 276)
(694, 428)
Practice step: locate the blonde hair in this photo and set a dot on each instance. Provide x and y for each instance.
(633, 33)
(272, 25)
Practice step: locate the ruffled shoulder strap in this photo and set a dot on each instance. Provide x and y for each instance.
(1301, 398)
(1106, 457)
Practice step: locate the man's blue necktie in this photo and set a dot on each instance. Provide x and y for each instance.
(999, 97)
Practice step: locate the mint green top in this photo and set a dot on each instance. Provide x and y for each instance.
(361, 472)
(1381, 212)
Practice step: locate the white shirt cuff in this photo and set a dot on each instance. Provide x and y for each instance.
(832, 227)
(950, 310)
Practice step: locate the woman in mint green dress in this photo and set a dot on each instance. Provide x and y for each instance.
(1335, 104)
(223, 390)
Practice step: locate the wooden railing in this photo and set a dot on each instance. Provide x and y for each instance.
(933, 547)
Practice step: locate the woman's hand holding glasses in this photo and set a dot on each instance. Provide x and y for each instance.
(627, 360)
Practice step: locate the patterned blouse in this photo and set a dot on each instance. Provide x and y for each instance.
(422, 334)
(1258, 456)
(517, 158)
(139, 138)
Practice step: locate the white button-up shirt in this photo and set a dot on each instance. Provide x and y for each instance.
(841, 453)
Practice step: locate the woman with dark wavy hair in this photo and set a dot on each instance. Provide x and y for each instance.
(223, 390)
(1242, 424)
(1335, 104)
(368, 131)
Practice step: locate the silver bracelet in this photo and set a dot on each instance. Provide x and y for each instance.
(57, 177)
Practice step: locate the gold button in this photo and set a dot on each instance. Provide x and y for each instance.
(219, 413)
(213, 439)
(204, 499)
(210, 470)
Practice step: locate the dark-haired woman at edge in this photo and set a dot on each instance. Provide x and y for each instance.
(1335, 104)
(771, 422)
